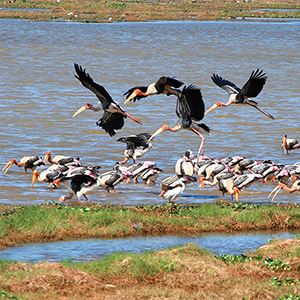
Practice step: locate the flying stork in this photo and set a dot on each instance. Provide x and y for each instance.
(251, 88)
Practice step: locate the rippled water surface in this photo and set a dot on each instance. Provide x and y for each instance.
(91, 249)
(39, 94)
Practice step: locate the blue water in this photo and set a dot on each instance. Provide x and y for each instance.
(91, 249)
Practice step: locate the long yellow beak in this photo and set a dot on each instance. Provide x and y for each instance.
(7, 166)
(157, 132)
(81, 109)
(134, 94)
(47, 155)
(34, 176)
(278, 188)
(212, 108)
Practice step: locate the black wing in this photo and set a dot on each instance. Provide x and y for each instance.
(228, 86)
(130, 91)
(97, 89)
(135, 141)
(191, 104)
(255, 84)
(111, 121)
(163, 81)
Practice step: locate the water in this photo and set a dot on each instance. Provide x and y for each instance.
(90, 249)
(39, 94)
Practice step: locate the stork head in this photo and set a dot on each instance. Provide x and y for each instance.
(134, 94)
(217, 104)
(81, 109)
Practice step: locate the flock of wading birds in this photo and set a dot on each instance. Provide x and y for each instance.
(227, 173)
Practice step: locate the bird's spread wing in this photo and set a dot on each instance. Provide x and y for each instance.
(138, 97)
(163, 81)
(255, 84)
(228, 86)
(191, 103)
(89, 83)
(111, 121)
(135, 140)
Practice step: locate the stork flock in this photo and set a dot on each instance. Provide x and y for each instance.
(226, 173)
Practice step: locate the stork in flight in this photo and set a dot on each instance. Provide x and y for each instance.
(164, 85)
(114, 115)
(190, 111)
(251, 89)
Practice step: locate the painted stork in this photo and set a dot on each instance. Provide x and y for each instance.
(281, 186)
(164, 85)
(149, 176)
(28, 162)
(289, 144)
(49, 176)
(110, 179)
(185, 165)
(190, 111)
(114, 115)
(251, 89)
(80, 185)
(136, 146)
(62, 160)
(178, 187)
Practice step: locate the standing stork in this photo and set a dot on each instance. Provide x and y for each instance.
(133, 142)
(61, 160)
(289, 144)
(114, 115)
(190, 111)
(251, 88)
(164, 85)
(28, 162)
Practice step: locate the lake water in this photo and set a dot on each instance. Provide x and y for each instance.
(39, 95)
(90, 249)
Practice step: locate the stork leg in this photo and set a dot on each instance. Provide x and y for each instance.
(262, 111)
(85, 197)
(201, 147)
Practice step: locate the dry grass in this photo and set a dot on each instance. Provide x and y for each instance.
(136, 10)
(196, 275)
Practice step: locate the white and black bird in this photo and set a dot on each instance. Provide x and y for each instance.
(190, 111)
(164, 85)
(136, 146)
(61, 160)
(110, 179)
(289, 144)
(185, 164)
(149, 176)
(28, 162)
(114, 114)
(80, 185)
(251, 89)
(177, 187)
(53, 173)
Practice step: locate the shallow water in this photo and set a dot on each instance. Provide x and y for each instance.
(90, 249)
(39, 94)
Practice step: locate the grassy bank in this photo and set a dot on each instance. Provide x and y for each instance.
(185, 272)
(137, 11)
(53, 221)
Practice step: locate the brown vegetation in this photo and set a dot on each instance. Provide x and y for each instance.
(196, 274)
(144, 10)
